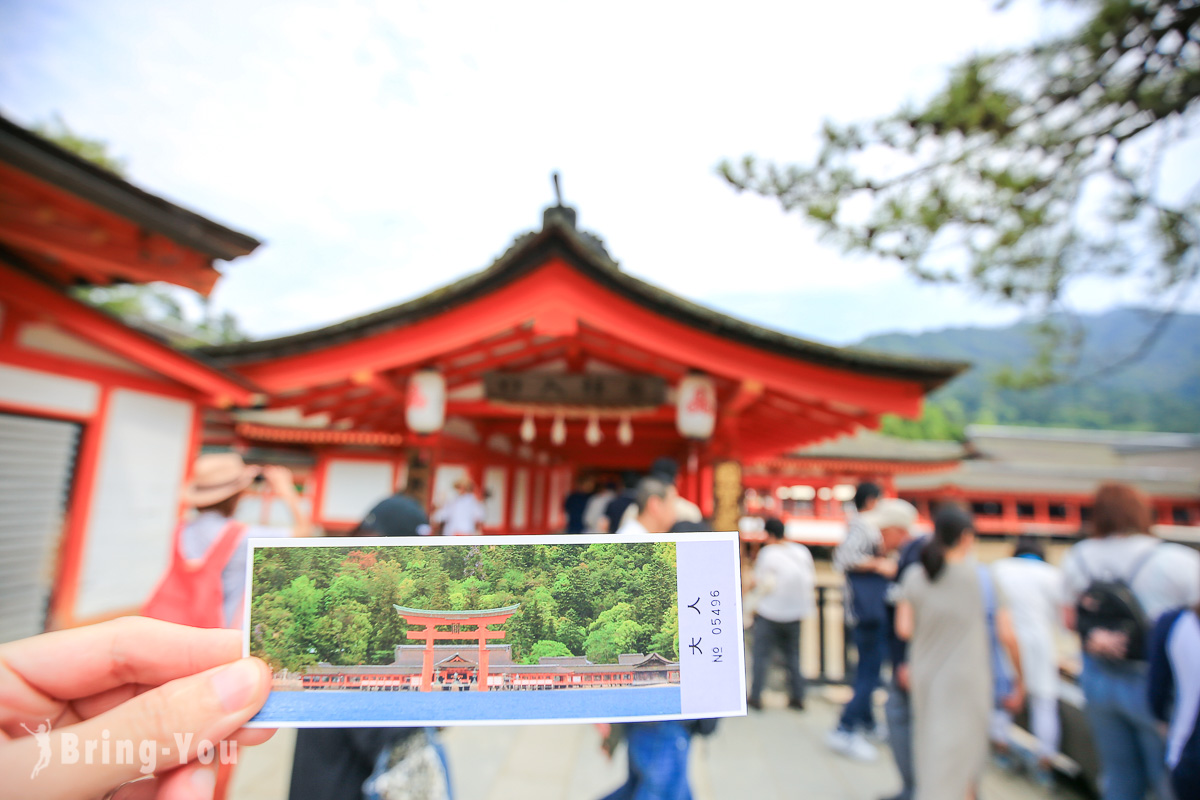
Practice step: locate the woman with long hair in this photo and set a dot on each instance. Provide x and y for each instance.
(949, 611)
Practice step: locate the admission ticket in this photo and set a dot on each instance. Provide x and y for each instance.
(495, 630)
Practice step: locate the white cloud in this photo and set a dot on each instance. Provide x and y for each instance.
(383, 149)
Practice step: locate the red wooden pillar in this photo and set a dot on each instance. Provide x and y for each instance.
(482, 681)
(87, 466)
(1008, 512)
(427, 660)
(706, 489)
(889, 485)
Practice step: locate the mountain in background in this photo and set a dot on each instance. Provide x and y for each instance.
(1160, 391)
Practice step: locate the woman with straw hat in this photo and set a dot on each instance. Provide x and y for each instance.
(217, 485)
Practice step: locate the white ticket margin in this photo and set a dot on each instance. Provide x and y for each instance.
(712, 682)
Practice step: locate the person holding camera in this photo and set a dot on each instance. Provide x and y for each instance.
(214, 541)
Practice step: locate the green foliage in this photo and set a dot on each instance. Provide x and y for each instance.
(616, 631)
(1028, 171)
(93, 150)
(939, 420)
(1158, 392)
(547, 648)
(335, 604)
(160, 306)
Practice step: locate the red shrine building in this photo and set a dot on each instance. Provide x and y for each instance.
(99, 422)
(478, 666)
(1015, 480)
(472, 664)
(551, 363)
(456, 668)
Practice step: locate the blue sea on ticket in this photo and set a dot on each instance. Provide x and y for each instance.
(357, 706)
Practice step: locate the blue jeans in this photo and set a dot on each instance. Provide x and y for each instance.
(1132, 752)
(872, 648)
(658, 758)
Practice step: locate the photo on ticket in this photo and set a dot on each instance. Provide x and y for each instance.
(497, 629)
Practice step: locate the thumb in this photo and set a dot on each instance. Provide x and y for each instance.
(156, 731)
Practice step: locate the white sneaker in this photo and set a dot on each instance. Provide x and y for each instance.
(851, 744)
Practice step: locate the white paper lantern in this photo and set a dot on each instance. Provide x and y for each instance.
(625, 431)
(696, 407)
(425, 411)
(528, 429)
(558, 431)
(592, 435)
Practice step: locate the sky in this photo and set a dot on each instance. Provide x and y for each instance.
(383, 149)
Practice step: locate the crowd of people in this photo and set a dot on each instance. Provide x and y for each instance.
(972, 644)
(969, 646)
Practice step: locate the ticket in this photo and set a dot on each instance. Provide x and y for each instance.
(469, 630)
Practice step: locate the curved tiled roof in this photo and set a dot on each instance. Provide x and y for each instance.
(486, 612)
(59, 167)
(866, 445)
(558, 238)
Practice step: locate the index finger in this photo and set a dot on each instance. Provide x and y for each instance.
(80, 662)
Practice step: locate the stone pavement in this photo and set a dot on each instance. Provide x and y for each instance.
(771, 754)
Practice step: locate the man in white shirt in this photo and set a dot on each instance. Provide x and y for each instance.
(655, 504)
(463, 514)
(783, 583)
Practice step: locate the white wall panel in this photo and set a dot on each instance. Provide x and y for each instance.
(520, 503)
(495, 487)
(43, 390)
(135, 504)
(353, 487)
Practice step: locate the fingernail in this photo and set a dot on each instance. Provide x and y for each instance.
(237, 683)
(204, 781)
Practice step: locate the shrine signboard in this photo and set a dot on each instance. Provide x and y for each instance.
(582, 390)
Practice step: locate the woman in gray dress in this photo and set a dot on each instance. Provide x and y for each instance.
(944, 615)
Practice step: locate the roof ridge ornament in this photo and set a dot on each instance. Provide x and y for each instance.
(558, 213)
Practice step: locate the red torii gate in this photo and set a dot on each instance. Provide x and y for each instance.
(456, 619)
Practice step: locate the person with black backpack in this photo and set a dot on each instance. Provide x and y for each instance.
(1118, 582)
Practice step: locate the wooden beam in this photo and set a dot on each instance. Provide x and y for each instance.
(37, 216)
(493, 362)
(307, 399)
(25, 291)
(130, 261)
(496, 342)
(351, 411)
(615, 359)
(747, 394)
(488, 409)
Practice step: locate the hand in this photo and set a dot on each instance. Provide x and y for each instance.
(160, 687)
(606, 743)
(886, 567)
(1107, 644)
(902, 676)
(280, 480)
(1015, 700)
